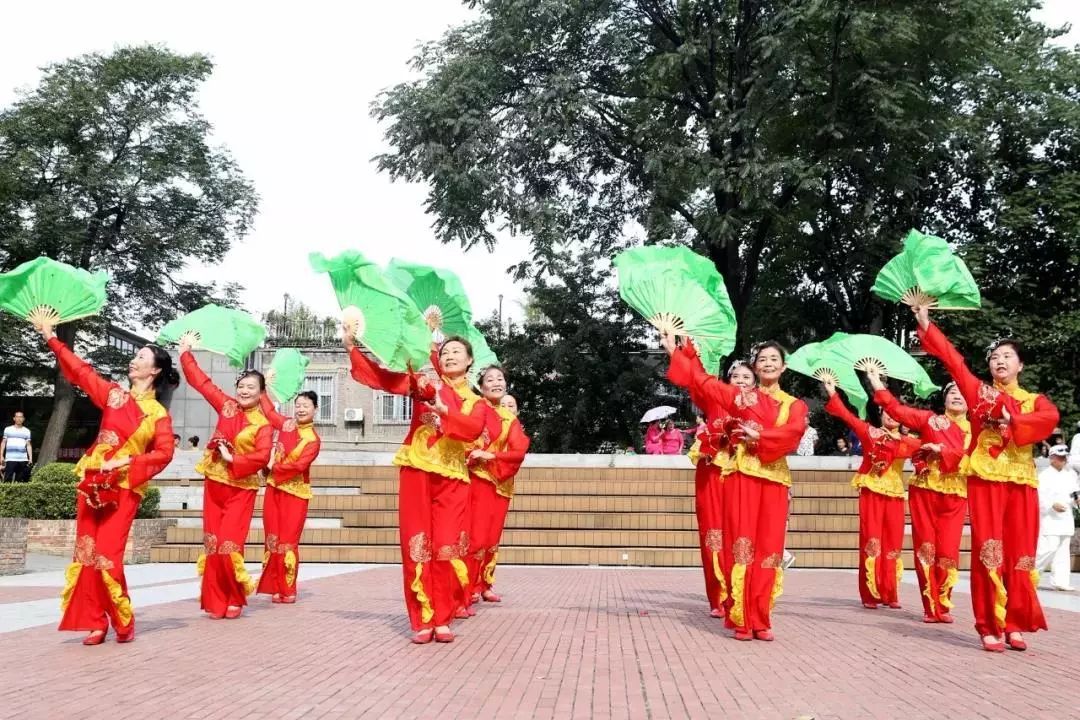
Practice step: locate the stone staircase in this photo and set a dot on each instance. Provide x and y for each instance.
(569, 510)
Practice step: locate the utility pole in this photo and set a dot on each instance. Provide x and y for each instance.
(500, 318)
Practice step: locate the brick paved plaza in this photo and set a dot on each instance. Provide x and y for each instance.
(566, 643)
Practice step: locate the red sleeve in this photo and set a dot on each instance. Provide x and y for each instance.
(366, 372)
(288, 469)
(778, 442)
(686, 371)
(1035, 426)
(277, 420)
(247, 464)
(907, 446)
(457, 425)
(914, 418)
(507, 462)
(935, 343)
(146, 465)
(201, 382)
(950, 458)
(80, 374)
(861, 428)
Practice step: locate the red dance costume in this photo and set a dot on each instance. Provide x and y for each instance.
(229, 492)
(880, 480)
(937, 498)
(133, 425)
(433, 490)
(755, 496)
(288, 490)
(490, 491)
(712, 462)
(1003, 499)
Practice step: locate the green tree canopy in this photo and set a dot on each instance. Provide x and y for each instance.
(107, 164)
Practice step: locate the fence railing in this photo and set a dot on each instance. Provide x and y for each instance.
(303, 334)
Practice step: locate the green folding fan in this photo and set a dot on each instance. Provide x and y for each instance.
(380, 316)
(47, 292)
(817, 361)
(438, 293)
(483, 355)
(680, 293)
(865, 351)
(928, 272)
(225, 331)
(285, 376)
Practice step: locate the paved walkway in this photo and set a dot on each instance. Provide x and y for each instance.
(566, 643)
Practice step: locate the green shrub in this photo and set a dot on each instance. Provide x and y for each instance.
(48, 501)
(55, 473)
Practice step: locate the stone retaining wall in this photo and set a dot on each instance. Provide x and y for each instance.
(57, 537)
(12, 545)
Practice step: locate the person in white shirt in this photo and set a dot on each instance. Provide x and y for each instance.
(1059, 488)
(16, 451)
(1074, 451)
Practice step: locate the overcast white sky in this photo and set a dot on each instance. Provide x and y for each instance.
(289, 97)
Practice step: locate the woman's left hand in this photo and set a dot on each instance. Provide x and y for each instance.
(750, 432)
(115, 464)
(480, 456)
(439, 406)
(225, 454)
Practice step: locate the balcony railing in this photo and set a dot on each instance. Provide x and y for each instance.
(303, 334)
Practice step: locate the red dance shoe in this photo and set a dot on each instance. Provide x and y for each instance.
(946, 618)
(423, 637)
(743, 635)
(491, 597)
(275, 598)
(716, 613)
(1016, 641)
(233, 612)
(461, 613)
(126, 636)
(870, 606)
(95, 638)
(766, 635)
(895, 605)
(444, 637)
(995, 645)
(288, 599)
(929, 619)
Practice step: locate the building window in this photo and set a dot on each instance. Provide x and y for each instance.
(392, 409)
(323, 386)
(124, 346)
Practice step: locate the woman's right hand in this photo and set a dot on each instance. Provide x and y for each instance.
(47, 332)
(669, 343)
(922, 315)
(830, 386)
(873, 374)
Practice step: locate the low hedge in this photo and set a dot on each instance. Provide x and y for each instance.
(50, 495)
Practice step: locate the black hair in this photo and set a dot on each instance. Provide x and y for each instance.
(463, 341)
(310, 395)
(1017, 346)
(176, 436)
(756, 350)
(737, 363)
(168, 379)
(194, 440)
(489, 368)
(255, 374)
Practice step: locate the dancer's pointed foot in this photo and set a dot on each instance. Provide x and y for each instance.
(992, 643)
(423, 637)
(233, 612)
(716, 613)
(766, 635)
(743, 635)
(490, 596)
(1016, 641)
(945, 618)
(443, 634)
(96, 637)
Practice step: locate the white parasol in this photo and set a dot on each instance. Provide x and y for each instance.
(658, 413)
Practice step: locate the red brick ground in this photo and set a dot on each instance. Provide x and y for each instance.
(566, 643)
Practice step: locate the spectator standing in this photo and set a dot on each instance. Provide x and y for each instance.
(1058, 490)
(16, 450)
(808, 443)
(842, 449)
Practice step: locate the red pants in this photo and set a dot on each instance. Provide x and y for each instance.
(755, 519)
(937, 522)
(881, 543)
(432, 521)
(97, 595)
(708, 505)
(487, 515)
(283, 522)
(226, 521)
(1004, 533)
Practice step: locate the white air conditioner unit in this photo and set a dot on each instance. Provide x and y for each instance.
(354, 415)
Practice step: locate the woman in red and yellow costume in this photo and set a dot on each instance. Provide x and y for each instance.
(238, 449)
(288, 490)
(134, 443)
(769, 424)
(433, 489)
(712, 462)
(937, 492)
(1003, 500)
(492, 469)
(880, 480)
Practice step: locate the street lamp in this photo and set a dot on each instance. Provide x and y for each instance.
(500, 317)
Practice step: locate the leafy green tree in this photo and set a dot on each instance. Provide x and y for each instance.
(107, 165)
(792, 143)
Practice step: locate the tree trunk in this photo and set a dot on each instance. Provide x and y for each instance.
(63, 401)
